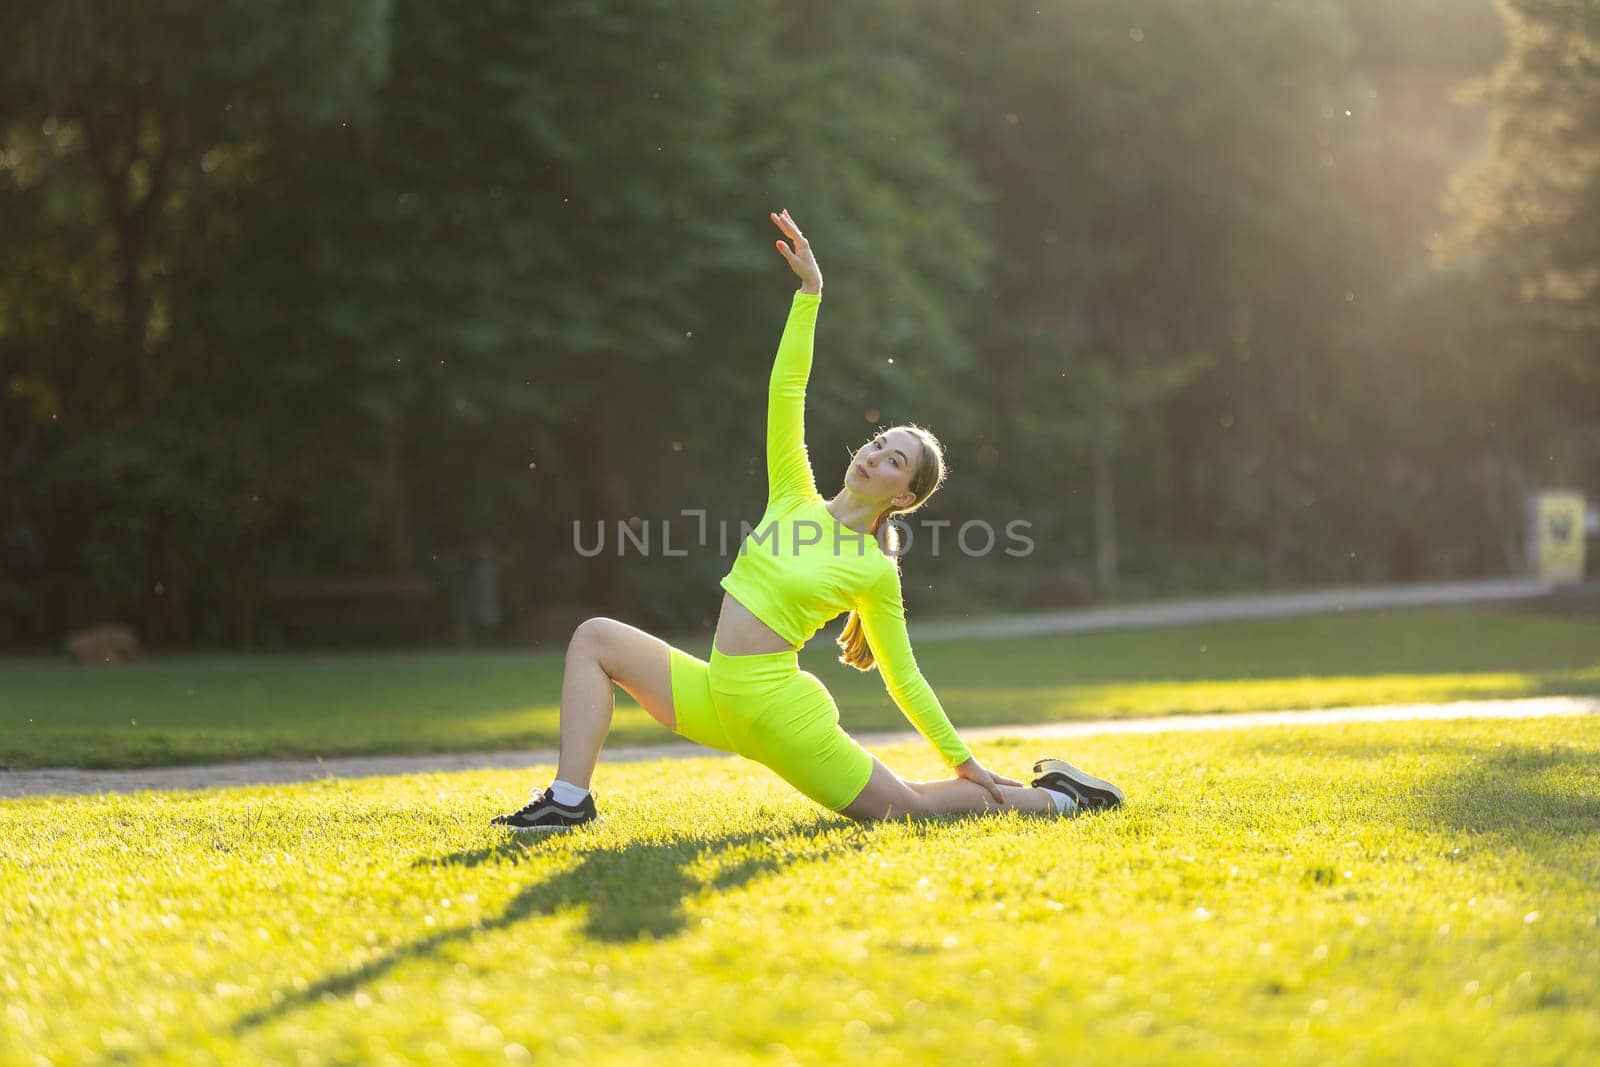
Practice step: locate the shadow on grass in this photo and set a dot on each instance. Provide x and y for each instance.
(629, 892)
(1518, 791)
(1533, 798)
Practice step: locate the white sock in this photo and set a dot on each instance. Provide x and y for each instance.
(567, 793)
(1064, 803)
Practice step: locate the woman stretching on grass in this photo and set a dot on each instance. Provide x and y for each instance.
(808, 560)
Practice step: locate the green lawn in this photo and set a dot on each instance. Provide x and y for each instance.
(186, 709)
(1398, 892)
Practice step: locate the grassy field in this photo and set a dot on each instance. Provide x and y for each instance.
(1407, 893)
(186, 709)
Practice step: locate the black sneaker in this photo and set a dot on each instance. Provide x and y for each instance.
(1091, 793)
(542, 814)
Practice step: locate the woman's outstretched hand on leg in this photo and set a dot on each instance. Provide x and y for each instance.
(975, 772)
(801, 259)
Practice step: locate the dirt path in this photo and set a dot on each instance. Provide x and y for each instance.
(68, 781)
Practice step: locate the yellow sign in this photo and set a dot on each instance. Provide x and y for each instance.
(1560, 536)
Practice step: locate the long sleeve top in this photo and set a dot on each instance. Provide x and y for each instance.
(800, 567)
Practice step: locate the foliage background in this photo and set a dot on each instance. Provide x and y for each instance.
(1214, 295)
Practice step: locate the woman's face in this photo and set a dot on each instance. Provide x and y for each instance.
(883, 467)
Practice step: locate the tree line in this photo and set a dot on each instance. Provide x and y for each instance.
(1211, 295)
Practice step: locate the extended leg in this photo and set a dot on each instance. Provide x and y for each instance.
(958, 794)
(887, 795)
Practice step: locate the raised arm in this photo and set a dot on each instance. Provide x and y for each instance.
(883, 620)
(788, 466)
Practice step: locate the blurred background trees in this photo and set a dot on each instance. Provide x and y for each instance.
(1214, 295)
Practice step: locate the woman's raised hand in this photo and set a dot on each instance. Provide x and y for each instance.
(800, 259)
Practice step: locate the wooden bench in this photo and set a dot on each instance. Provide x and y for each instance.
(372, 607)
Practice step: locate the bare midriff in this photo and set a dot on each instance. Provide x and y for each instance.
(740, 633)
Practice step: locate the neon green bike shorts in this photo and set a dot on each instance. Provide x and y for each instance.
(765, 708)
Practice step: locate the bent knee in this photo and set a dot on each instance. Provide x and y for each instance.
(592, 636)
(912, 803)
(875, 804)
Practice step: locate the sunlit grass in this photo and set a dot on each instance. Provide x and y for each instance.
(1157, 698)
(184, 709)
(1382, 892)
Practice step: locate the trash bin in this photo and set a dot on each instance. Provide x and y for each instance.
(477, 582)
(485, 588)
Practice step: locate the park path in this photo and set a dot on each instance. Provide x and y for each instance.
(71, 781)
(1236, 608)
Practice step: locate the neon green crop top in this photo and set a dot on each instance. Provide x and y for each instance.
(801, 567)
